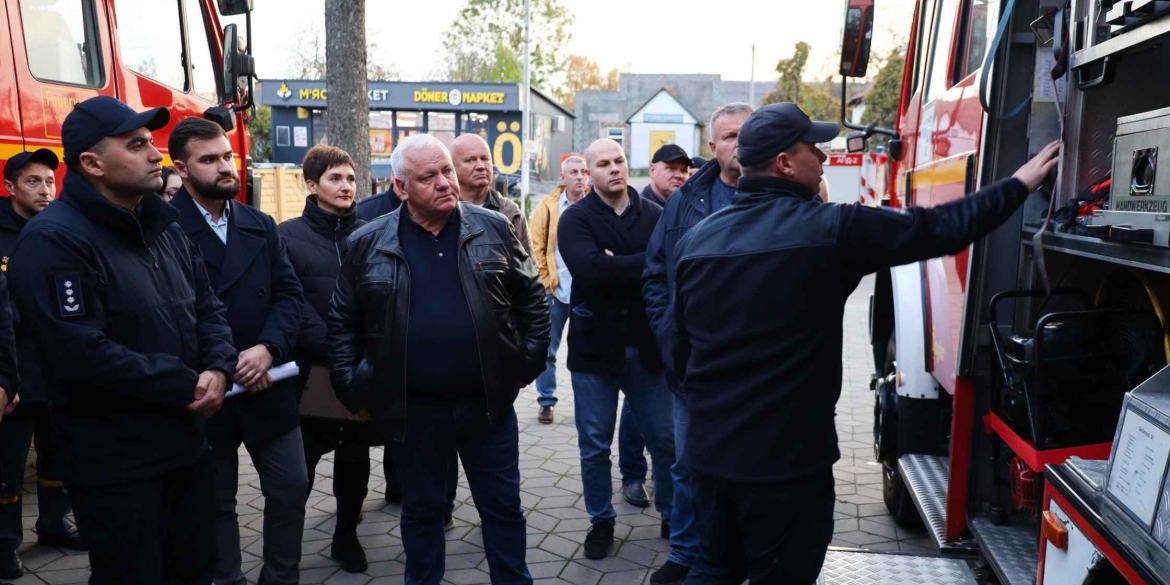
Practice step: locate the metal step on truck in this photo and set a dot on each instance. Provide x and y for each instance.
(1021, 389)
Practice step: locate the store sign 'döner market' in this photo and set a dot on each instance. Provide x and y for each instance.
(400, 95)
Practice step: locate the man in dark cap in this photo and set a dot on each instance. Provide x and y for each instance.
(697, 162)
(762, 377)
(668, 171)
(31, 184)
(135, 348)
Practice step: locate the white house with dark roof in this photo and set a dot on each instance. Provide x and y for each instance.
(663, 119)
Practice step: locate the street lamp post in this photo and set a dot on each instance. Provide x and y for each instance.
(527, 125)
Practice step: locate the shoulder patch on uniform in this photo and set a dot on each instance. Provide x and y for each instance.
(70, 301)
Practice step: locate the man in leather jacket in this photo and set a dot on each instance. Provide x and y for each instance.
(438, 320)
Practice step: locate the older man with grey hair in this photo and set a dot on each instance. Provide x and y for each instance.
(707, 192)
(447, 284)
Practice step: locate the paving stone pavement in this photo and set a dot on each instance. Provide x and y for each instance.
(550, 468)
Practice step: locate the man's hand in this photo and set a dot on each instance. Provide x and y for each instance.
(209, 391)
(1033, 172)
(6, 406)
(252, 369)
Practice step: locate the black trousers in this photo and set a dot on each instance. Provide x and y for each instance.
(351, 464)
(30, 420)
(153, 531)
(766, 533)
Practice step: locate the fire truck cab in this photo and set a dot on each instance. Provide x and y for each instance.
(1020, 389)
(147, 53)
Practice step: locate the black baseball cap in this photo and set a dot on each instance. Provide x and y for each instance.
(102, 116)
(775, 128)
(698, 162)
(670, 153)
(42, 156)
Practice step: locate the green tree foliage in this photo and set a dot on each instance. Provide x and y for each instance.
(308, 59)
(881, 104)
(486, 41)
(816, 99)
(582, 74)
(260, 130)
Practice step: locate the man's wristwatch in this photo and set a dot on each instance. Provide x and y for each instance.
(273, 350)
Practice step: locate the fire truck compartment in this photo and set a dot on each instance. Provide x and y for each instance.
(1010, 548)
(847, 567)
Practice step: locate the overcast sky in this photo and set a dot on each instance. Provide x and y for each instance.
(640, 36)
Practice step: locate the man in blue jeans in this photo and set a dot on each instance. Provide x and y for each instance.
(707, 192)
(448, 284)
(611, 349)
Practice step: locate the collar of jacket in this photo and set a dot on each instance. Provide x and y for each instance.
(152, 216)
(755, 189)
(651, 195)
(10, 220)
(193, 222)
(696, 192)
(593, 201)
(493, 201)
(389, 242)
(326, 223)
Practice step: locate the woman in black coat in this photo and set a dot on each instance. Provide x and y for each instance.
(316, 244)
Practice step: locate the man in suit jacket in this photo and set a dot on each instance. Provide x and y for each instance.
(250, 272)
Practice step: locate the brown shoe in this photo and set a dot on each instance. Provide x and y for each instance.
(546, 415)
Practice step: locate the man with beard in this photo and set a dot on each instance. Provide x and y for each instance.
(669, 169)
(29, 178)
(473, 165)
(249, 270)
(135, 350)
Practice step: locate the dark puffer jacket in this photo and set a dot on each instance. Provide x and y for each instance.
(316, 247)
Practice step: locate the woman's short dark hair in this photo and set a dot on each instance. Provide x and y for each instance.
(322, 158)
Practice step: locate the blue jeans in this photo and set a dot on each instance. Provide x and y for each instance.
(490, 451)
(546, 383)
(596, 399)
(684, 527)
(631, 448)
(284, 481)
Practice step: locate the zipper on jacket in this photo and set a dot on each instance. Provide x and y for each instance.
(336, 246)
(478, 346)
(153, 258)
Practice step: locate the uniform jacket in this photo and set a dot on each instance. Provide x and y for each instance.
(124, 320)
(368, 315)
(316, 244)
(378, 205)
(760, 294)
(256, 282)
(544, 238)
(32, 382)
(685, 208)
(607, 312)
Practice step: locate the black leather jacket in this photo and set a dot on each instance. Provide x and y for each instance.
(368, 315)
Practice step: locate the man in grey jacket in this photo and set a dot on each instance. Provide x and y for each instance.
(473, 165)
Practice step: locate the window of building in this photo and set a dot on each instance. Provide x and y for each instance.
(408, 124)
(283, 136)
(475, 123)
(151, 40)
(617, 135)
(941, 56)
(981, 19)
(62, 41)
(441, 125)
(203, 71)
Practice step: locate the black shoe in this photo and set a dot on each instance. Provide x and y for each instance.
(70, 540)
(671, 573)
(635, 495)
(598, 541)
(349, 552)
(11, 567)
(546, 415)
(664, 531)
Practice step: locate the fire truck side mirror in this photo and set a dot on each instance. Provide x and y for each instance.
(855, 40)
(238, 68)
(234, 7)
(856, 142)
(896, 149)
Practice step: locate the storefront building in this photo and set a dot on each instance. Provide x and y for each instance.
(444, 110)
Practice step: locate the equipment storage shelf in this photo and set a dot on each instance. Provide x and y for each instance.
(1132, 255)
(1148, 21)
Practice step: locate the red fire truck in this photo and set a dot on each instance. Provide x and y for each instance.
(147, 53)
(1021, 404)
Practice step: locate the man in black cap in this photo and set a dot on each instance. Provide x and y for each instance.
(760, 292)
(135, 348)
(668, 171)
(31, 183)
(697, 162)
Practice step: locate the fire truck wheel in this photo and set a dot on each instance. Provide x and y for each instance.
(898, 500)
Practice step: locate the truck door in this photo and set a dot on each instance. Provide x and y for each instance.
(167, 54)
(11, 141)
(61, 55)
